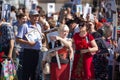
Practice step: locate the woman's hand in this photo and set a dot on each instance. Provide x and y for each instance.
(84, 51)
(10, 56)
(71, 57)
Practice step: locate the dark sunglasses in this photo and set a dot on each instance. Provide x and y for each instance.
(35, 15)
(89, 24)
(81, 24)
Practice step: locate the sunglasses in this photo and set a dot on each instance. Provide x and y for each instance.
(81, 24)
(35, 15)
(89, 24)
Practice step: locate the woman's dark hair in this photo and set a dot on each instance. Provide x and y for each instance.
(82, 24)
(13, 8)
(24, 9)
(88, 25)
(42, 13)
(20, 15)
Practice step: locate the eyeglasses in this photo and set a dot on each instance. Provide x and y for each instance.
(35, 15)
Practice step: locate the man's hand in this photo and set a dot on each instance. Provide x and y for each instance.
(31, 43)
(115, 43)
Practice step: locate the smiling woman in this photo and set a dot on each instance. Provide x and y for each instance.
(85, 47)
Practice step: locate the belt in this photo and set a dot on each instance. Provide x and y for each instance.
(65, 61)
(77, 51)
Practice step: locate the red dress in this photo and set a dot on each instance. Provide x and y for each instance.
(82, 66)
(63, 73)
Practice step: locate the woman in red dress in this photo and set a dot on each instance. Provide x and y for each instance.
(85, 47)
(65, 55)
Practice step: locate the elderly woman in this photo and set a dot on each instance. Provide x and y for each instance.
(65, 55)
(85, 47)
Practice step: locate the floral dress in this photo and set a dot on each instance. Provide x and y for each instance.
(63, 73)
(82, 66)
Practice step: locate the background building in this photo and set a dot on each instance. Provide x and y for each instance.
(58, 3)
(43, 3)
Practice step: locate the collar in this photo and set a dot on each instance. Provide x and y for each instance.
(30, 25)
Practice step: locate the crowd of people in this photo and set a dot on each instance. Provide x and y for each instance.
(87, 46)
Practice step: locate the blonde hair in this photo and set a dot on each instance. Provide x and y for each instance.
(52, 23)
(63, 27)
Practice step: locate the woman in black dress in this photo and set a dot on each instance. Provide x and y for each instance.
(99, 60)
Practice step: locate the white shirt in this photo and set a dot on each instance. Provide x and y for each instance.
(77, 29)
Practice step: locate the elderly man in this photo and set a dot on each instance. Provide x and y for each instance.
(31, 48)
